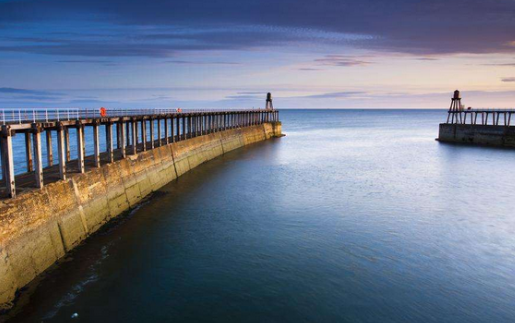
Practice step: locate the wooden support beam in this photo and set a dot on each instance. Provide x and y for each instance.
(193, 130)
(167, 140)
(49, 148)
(178, 121)
(202, 120)
(96, 144)
(109, 142)
(80, 147)
(128, 131)
(134, 137)
(67, 143)
(151, 121)
(61, 149)
(118, 135)
(136, 130)
(6, 144)
(183, 127)
(123, 140)
(188, 127)
(38, 157)
(144, 134)
(28, 153)
(4, 171)
(159, 132)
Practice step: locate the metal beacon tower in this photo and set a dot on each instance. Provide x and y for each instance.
(269, 104)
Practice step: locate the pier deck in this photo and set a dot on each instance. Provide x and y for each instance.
(127, 132)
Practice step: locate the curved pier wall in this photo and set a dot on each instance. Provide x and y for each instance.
(477, 134)
(38, 227)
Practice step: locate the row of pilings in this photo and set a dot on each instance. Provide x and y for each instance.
(124, 135)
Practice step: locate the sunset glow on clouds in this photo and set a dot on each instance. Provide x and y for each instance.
(203, 54)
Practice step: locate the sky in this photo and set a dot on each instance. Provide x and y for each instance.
(230, 53)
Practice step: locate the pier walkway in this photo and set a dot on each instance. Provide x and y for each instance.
(485, 117)
(126, 131)
(457, 114)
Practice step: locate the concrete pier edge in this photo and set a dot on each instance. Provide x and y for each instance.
(487, 135)
(39, 227)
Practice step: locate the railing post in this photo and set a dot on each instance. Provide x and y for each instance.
(6, 144)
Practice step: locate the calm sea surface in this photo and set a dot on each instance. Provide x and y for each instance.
(355, 216)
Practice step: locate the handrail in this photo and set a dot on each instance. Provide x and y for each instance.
(484, 110)
(10, 116)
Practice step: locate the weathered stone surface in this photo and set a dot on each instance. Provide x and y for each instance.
(477, 134)
(39, 227)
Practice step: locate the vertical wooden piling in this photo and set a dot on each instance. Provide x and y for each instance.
(38, 157)
(136, 130)
(123, 140)
(178, 122)
(61, 149)
(128, 131)
(151, 121)
(67, 143)
(167, 140)
(109, 142)
(28, 152)
(96, 143)
(80, 147)
(159, 132)
(202, 119)
(183, 127)
(8, 160)
(144, 134)
(134, 137)
(49, 148)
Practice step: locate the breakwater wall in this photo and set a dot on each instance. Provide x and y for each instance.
(39, 227)
(491, 135)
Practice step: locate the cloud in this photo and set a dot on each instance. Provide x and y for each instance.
(100, 62)
(183, 62)
(8, 90)
(500, 64)
(508, 79)
(15, 95)
(309, 69)
(341, 60)
(417, 27)
(335, 95)
(426, 59)
(243, 97)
